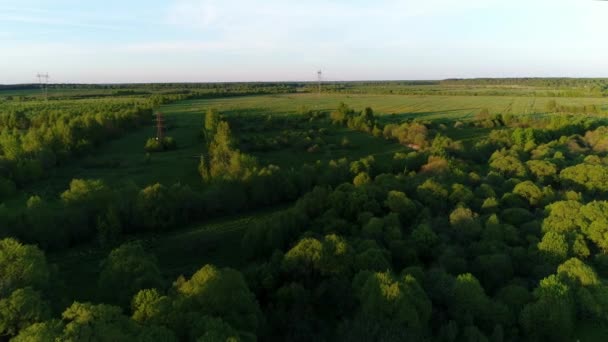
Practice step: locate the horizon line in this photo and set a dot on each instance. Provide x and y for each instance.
(313, 81)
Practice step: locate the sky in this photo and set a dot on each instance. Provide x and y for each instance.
(126, 41)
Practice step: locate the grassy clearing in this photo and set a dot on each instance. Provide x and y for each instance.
(360, 145)
(124, 159)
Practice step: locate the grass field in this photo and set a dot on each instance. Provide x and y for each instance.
(124, 158)
(423, 106)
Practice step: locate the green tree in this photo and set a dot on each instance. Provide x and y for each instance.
(210, 329)
(109, 227)
(464, 220)
(48, 331)
(21, 266)
(432, 193)
(564, 216)
(221, 293)
(89, 322)
(543, 170)
(530, 192)
(211, 120)
(21, 309)
(361, 179)
(593, 178)
(127, 270)
(391, 308)
(554, 246)
(551, 316)
(399, 203)
(507, 164)
(337, 256)
(576, 271)
(304, 258)
(469, 302)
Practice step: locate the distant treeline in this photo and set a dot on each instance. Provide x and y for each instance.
(530, 81)
(546, 87)
(159, 86)
(190, 90)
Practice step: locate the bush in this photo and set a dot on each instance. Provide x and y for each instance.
(156, 145)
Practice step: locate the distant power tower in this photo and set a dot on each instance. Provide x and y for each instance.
(43, 80)
(160, 126)
(319, 79)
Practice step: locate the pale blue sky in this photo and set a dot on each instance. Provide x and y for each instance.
(249, 40)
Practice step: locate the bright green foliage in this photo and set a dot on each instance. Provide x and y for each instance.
(304, 258)
(160, 145)
(84, 192)
(21, 309)
(341, 114)
(222, 293)
(21, 266)
(578, 272)
(48, 331)
(414, 135)
(150, 306)
(127, 270)
(529, 191)
(337, 256)
(563, 216)
(507, 164)
(89, 322)
(211, 120)
(554, 246)
(362, 165)
(595, 223)
(223, 160)
(361, 179)
(593, 178)
(542, 169)
(464, 220)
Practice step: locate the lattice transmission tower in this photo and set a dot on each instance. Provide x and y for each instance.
(160, 126)
(319, 80)
(43, 80)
